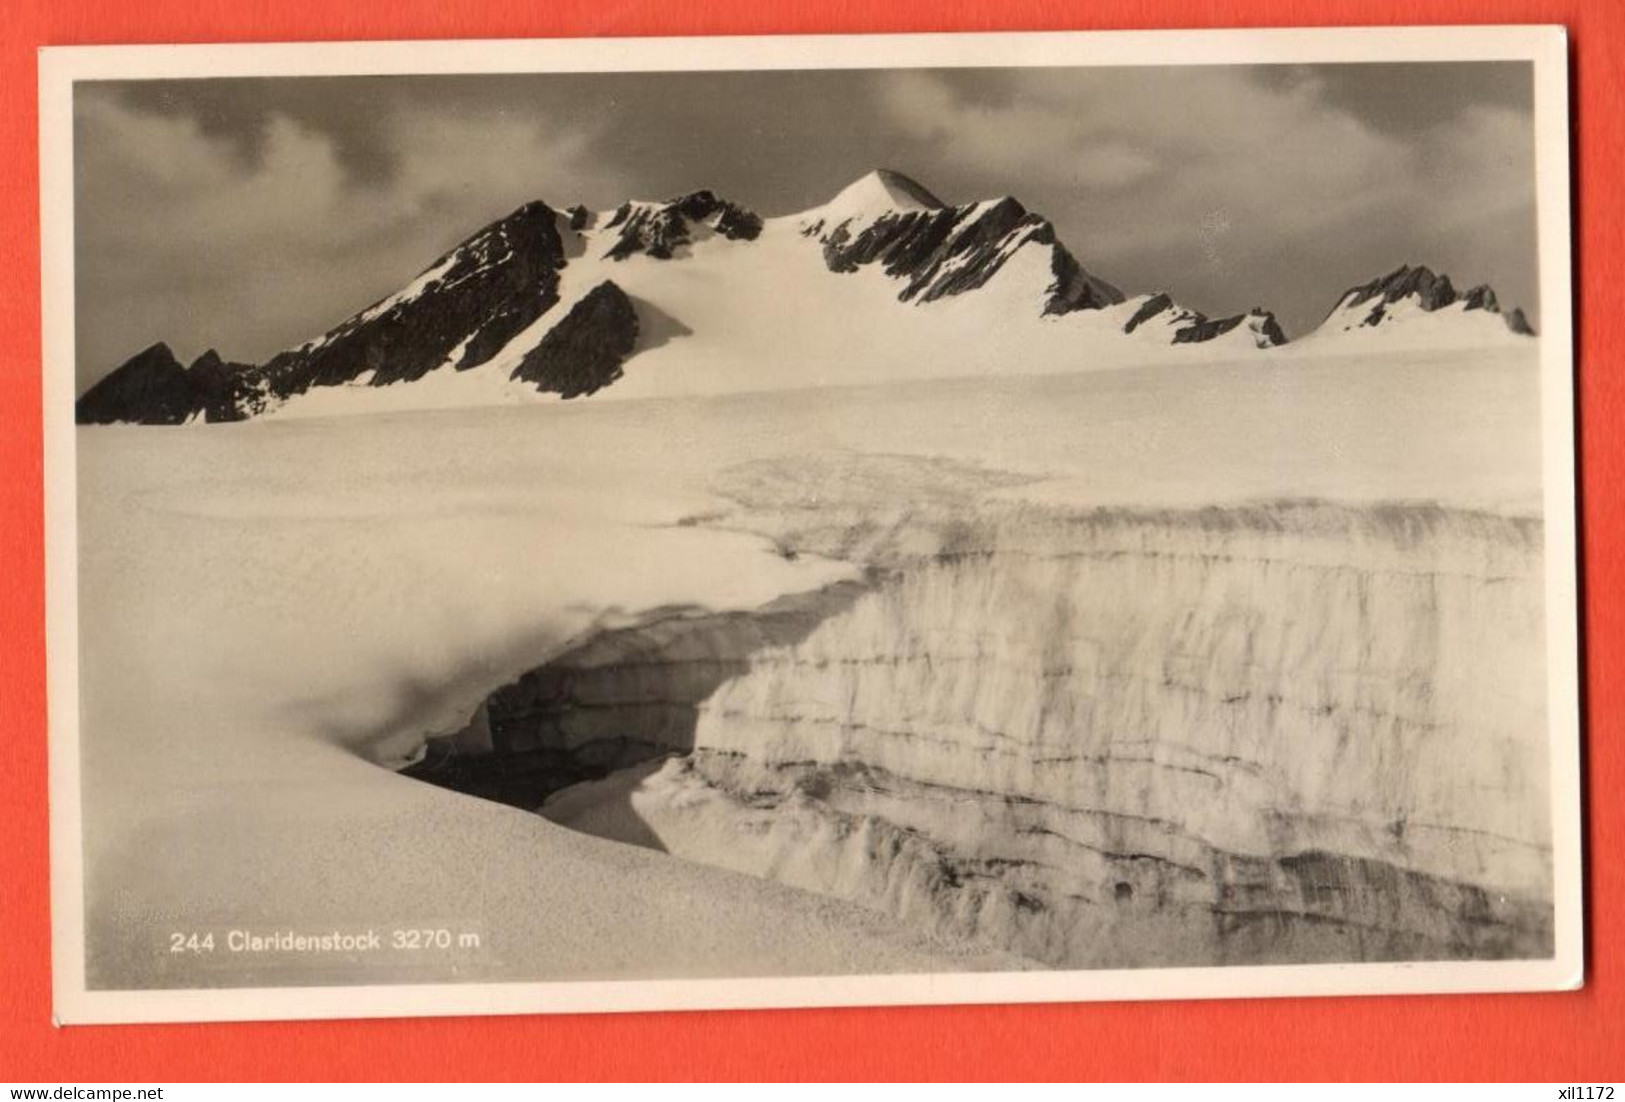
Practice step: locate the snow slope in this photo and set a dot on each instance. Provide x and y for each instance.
(1406, 327)
(273, 612)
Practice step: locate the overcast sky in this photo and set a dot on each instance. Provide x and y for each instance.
(249, 215)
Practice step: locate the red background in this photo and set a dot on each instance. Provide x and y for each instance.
(1572, 1037)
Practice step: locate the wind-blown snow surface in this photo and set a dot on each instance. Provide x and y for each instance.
(1248, 714)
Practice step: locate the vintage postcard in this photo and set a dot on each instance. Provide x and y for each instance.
(659, 524)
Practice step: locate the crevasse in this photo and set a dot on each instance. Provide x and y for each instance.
(1264, 733)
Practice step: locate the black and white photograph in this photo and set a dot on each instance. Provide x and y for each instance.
(594, 525)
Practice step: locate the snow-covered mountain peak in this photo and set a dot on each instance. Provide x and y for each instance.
(892, 223)
(1415, 305)
(1431, 290)
(884, 191)
(887, 189)
(869, 198)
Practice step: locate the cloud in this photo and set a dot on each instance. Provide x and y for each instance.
(1114, 165)
(1483, 162)
(1030, 135)
(257, 214)
(178, 229)
(1216, 142)
(1222, 182)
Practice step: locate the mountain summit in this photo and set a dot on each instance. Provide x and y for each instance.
(888, 220)
(880, 193)
(1413, 303)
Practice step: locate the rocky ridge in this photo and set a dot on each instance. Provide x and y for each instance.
(1160, 312)
(1383, 300)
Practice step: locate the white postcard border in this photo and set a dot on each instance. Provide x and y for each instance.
(60, 67)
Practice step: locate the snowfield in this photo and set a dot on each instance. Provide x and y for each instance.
(1339, 557)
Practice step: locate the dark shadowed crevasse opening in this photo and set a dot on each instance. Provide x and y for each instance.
(616, 699)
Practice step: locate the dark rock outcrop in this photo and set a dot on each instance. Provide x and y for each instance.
(1205, 329)
(952, 250)
(1153, 306)
(1481, 297)
(1268, 328)
(1074, 288)
(153, 388)
(1194, 327)
(208, 367)
(150, 388)
(1519, 324)
(729, 219)
(584, 351)
(658, 231)
(1267, 332)
(218, 387)
(1432, 290)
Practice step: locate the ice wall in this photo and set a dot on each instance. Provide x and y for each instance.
(1266, 733)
